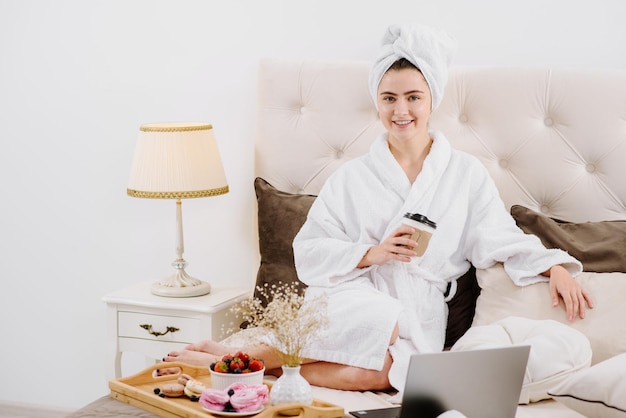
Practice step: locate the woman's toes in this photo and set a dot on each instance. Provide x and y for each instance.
(167, 371)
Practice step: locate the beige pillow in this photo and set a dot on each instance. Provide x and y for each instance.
(604, 326)
(556, 350)
(597, 392)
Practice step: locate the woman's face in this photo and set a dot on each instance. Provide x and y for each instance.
(404, 103)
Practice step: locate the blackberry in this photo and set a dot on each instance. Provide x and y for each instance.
(157, 391)
(231, 392)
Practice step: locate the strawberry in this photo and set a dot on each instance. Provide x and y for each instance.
(240, 362)
(255, 365)
(243, 356)
(236, 363)
(221, 367)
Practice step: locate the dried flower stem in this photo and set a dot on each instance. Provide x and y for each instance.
(292, 323)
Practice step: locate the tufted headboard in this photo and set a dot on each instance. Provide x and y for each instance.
(554, 140)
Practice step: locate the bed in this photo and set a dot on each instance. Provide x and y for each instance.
(554, 142)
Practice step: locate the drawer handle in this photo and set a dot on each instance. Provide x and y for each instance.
(148, 328)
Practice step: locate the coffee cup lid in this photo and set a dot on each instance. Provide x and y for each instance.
(420, 218)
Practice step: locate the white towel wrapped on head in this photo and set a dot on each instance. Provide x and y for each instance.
(430, 50)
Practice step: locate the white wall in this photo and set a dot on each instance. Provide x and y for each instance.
(78, 77)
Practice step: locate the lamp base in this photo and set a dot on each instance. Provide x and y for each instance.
(161, 289)
(180, 284)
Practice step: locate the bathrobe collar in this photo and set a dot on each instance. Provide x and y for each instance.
(392, 174)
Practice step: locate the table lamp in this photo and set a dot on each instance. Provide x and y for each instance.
(177, 160)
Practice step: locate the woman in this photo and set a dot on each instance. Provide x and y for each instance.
(386, 304)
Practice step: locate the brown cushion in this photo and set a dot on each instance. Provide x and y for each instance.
(280, 217)
(599, 246)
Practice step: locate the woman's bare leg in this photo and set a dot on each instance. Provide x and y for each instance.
(343, 377)
(317, 373)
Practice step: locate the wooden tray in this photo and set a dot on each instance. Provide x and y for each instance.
(138, 390)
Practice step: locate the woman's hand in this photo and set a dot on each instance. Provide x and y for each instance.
(392, 248)
(576, 298)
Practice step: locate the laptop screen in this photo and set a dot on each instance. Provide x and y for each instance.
(482, 383)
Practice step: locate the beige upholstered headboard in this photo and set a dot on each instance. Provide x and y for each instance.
(554, 140)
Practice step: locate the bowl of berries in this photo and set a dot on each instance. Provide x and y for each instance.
(236, 368)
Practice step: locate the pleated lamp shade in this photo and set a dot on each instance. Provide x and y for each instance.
(176, 161)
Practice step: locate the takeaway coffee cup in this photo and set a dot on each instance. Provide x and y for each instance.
(424, 229)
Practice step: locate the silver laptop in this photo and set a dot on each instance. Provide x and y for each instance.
(483, 383)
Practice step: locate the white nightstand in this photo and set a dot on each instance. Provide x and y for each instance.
(152, 325)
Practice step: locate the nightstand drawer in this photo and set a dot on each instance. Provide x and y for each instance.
(159, 327)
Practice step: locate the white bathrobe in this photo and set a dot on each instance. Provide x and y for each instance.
(360, 205)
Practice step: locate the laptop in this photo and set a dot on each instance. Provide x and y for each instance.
(483, 383)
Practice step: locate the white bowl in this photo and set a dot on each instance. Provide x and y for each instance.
(223, 380)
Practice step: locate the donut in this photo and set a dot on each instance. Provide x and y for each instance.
(172, 390)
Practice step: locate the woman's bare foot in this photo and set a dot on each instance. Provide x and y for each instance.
(195, 358)
(211, 347)
(206, 352)
(202, 353)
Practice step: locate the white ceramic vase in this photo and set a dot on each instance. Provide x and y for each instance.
(291, 387)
